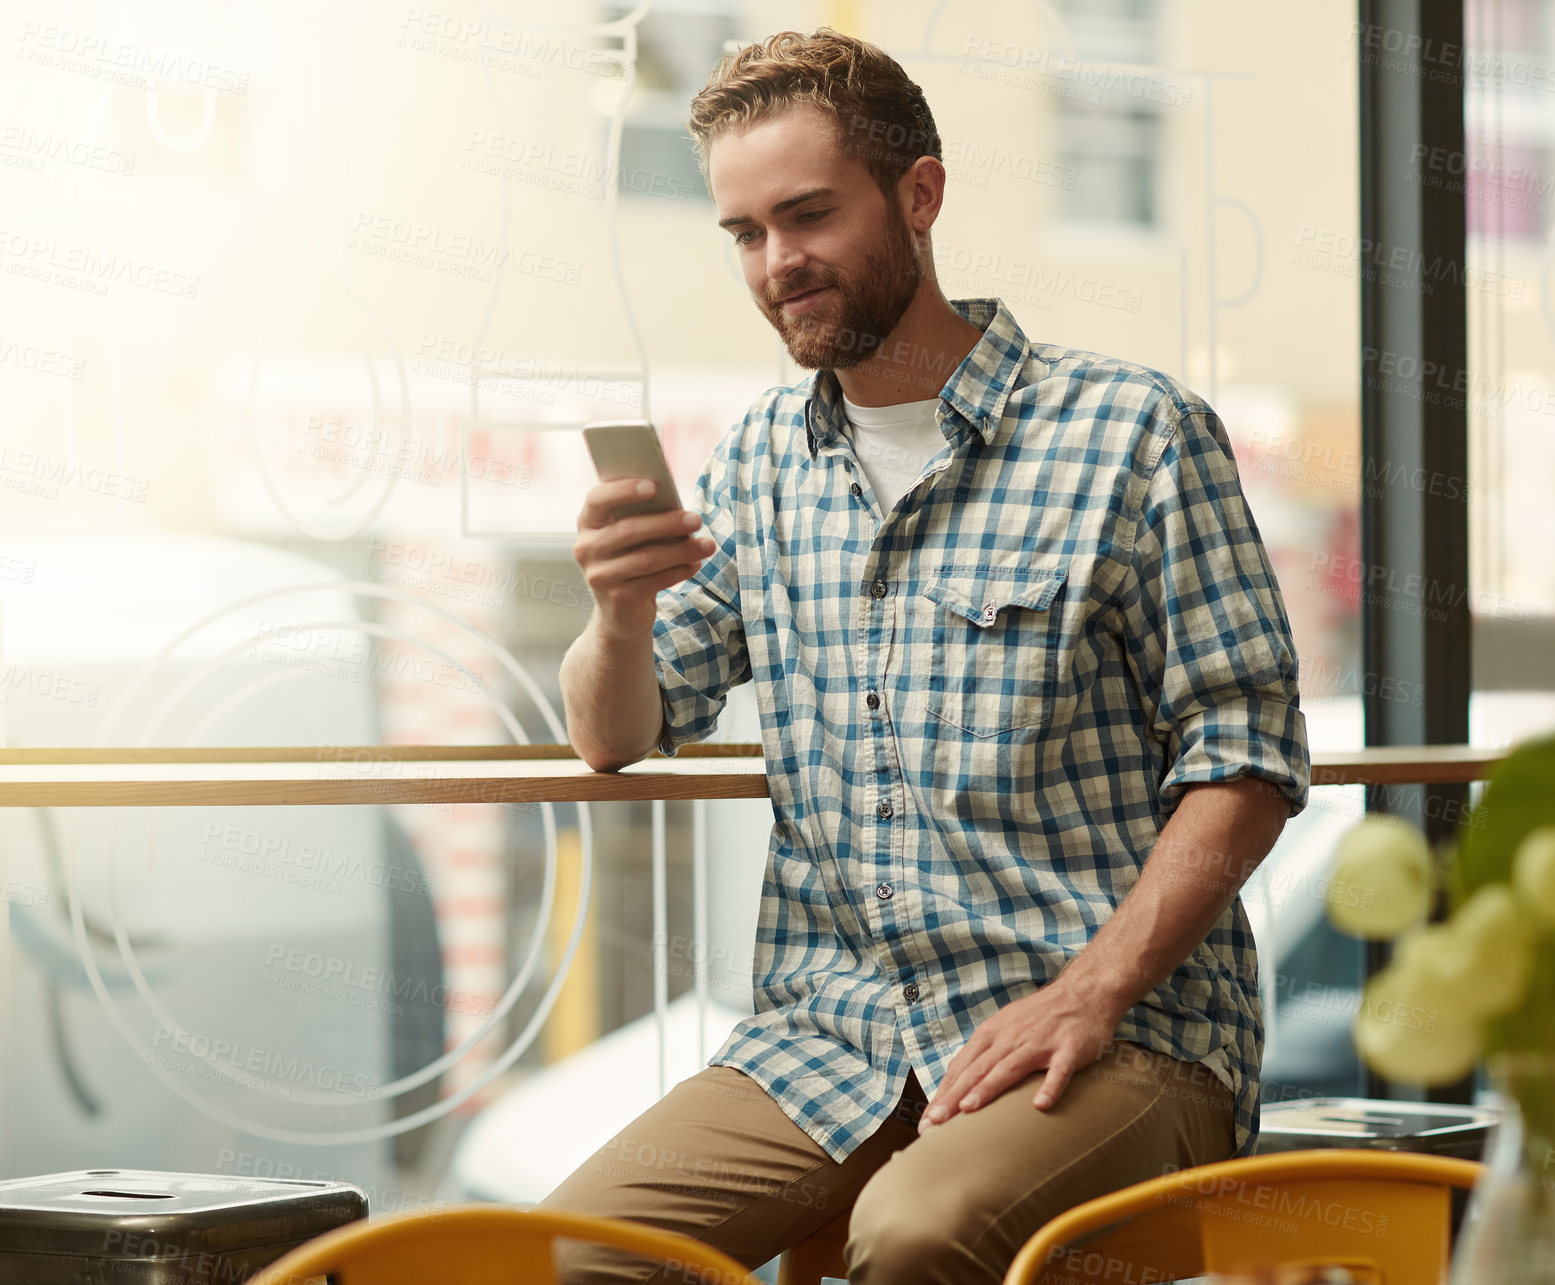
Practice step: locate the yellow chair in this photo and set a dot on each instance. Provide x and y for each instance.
(488, 1244)
(1384, 1216)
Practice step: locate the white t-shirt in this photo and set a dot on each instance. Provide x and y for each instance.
(893, 443)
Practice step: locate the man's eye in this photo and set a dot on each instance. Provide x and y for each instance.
(813, 216)
(743, 238)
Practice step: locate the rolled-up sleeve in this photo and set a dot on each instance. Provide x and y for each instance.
(1206, 633)
(698, 636)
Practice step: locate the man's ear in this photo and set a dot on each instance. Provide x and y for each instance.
(921, 191)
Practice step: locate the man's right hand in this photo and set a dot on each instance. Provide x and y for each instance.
(626, 561)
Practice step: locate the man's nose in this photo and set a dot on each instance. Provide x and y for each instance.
(784, 257)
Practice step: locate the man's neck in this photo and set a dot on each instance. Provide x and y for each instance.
(916, 358)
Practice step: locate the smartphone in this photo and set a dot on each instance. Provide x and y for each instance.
(631, 448)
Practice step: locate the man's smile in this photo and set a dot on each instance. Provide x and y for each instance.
(797, 304)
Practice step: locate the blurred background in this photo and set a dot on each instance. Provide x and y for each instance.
(301, 308)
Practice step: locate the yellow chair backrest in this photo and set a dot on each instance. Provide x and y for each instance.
(1384, 1216)
(489, 1244)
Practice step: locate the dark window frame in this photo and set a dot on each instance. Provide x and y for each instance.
(1414, 406)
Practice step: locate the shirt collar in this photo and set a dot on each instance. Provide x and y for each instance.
(976, 390)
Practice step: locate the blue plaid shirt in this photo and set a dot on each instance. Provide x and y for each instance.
(978, 709)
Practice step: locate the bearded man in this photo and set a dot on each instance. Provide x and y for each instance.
(1029, 711)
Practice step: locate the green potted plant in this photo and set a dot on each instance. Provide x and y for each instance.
(1479, 986)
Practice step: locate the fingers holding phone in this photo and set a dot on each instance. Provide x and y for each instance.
(633, 543)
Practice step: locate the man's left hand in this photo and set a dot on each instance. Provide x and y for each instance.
(1059, 1028)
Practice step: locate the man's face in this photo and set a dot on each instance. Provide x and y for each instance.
(829, 260)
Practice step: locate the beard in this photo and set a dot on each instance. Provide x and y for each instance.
(865, 309)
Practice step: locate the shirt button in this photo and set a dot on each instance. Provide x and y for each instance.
(989, 613)
(883, 809)
(910, 992)
(872, 700)
(883, 892)
(857, 490)
(877, 589)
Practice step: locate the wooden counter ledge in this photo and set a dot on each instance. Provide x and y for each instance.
(308, 775)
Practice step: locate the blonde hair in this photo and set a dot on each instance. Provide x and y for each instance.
(881, 115)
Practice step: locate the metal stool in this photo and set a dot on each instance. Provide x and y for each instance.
(136, 1227)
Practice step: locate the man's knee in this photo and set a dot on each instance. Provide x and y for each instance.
(905, 1237)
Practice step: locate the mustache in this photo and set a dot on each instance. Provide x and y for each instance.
(775, 296)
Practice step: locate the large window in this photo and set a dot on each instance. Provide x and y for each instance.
(1506, 175)
(1109, 132)
(301, 308)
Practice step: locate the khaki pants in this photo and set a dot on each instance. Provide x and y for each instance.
(717, 1159)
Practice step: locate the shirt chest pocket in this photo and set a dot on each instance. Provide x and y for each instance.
(994, 648)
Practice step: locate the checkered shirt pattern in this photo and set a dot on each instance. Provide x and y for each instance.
(978, 710)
